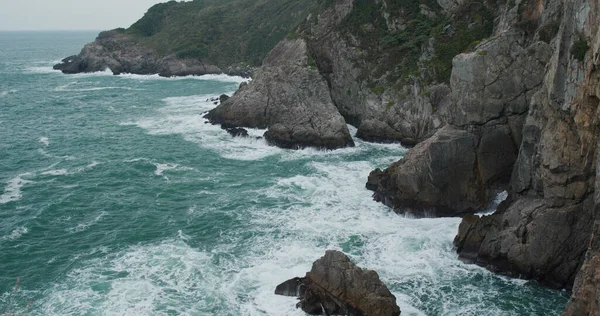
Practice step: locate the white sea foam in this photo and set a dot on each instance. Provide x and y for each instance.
(220, 78)
(326, 209)
(5, 93)
(45, 141)
(59, 172)
(66, 88)
(16, 234)
(162, 167)
(108, 72)
(41, 70)
(85, 225)
(183, 116)
(12, 191)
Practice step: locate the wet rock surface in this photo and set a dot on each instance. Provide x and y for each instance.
(336, 286)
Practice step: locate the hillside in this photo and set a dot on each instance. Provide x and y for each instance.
(193, 38)
(220, 32)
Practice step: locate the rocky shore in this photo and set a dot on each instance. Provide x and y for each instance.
(493, 95)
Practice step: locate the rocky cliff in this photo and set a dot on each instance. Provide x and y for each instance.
(290, 98)
(386, 66)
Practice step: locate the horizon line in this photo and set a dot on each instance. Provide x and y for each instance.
(53, 30)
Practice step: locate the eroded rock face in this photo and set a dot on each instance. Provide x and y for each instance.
(336, 286)
(544, 229)
(121, 53)
(290, 98)
(436, 178)
(383, 113)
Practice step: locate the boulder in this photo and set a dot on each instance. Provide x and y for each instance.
(438, 177)
(290, 98)
(336, 286)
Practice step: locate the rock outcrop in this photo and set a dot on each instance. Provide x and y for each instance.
(543, 230)
(336, 286)
(121, 53)
(290, 98)
(459, 169)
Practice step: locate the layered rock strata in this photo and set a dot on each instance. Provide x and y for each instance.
(336, 286)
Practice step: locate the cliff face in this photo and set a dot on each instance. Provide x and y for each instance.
(461, 167)
(543, 230)
(386, 65)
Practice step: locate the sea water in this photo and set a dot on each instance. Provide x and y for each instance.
(116, 198)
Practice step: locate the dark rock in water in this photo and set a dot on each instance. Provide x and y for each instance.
(336, 286)
(297, 110)
(216, 102)
(436, 178)
(374, 177)
(223, 98)
(290, 287)
(237, 132)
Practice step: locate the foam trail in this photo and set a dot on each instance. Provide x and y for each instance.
(83, 226)
(183, 116)
(16, 234)
(45, 141)
(60, 172)
(12, 191)
(161, 167)
(5, 93)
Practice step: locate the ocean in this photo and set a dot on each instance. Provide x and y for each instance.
(116, 198)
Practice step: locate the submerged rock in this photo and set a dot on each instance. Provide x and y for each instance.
(336, 286)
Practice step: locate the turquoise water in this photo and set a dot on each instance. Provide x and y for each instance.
(117, 199)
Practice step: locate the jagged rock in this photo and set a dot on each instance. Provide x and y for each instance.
(291, 99)
(497, 80)
(543, 230)
(336, 286)
(490, 90)
(529, 238)
(377, 131)
(223, 98)
(374, 178)
(438, 177)
(381, 114)
(237, 132)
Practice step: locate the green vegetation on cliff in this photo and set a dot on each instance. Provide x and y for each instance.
(414, 38)
(220, 32)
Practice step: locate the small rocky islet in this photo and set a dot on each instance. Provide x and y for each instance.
(491, 96)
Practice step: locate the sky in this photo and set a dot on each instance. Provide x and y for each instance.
(71, 14)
